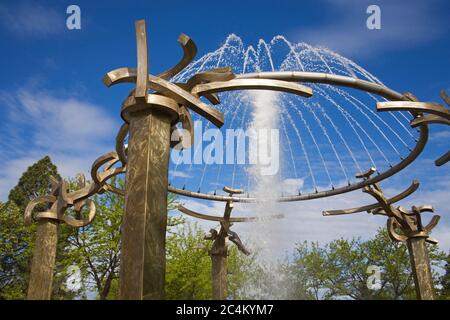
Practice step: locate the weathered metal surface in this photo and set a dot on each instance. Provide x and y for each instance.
(60, 200)
(248, 84)
(43, 263)
(326, 78)
(218, 219)
(142, 270)
(141, 91)
(120, 146)
(429, 119)
(420, 264)
(435, 114)
(219, 275)
(443, 159)
(428, 107)
(168, 89)
(189, 52)
(151, 118)
(406, 102)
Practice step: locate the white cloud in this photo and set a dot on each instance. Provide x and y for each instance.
(440, 136)
(179, 174)
(404, 24)
(38, 123)
(31, 19)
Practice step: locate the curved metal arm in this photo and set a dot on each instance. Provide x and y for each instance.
(120, 147)
(61, 199)
(189, 52)
(246, 84)
(411, 189)
(445, 97)
(443, 159)
(429, 119)
(169, 89)
(219, 219)
(141, 92)
(428, 107)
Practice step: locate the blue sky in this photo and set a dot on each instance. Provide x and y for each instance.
(48, 67)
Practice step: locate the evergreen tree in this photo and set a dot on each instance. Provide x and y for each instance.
(17, 241)
(34, 182)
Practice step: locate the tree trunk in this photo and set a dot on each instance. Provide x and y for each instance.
(106, 287)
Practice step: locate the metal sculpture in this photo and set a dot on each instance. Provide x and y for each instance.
(434, 113)
(151, 113)
(61, 199)
(150, 119)
(403, 226)
(219, 249)
(315, 77)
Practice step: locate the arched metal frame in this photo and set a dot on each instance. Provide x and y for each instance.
(308, 77)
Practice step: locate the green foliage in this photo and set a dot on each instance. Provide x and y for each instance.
(15, 252)
(95, 248)
(188, 266)
(335, 270)
(339, 269)
(16, 240)
(445, 280)
(34, 182)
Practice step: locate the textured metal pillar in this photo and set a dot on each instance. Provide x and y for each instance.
(142, 271)
(219, 276)
(43, 263)
(420, 265)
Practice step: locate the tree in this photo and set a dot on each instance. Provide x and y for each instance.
(445, 280)
(188, 266)
(95, 248)
(15, 252)
(34, 182)
(16, 240)
(308, 270)
(340, 268)
(188, 269)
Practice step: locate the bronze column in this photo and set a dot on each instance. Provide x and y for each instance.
(219, 269)
(219, 249)
(150, 117)
(420, 265)
(43, 263)
(44, 252)
(151, 112)
(142, 271)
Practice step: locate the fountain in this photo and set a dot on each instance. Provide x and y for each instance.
(322, 106)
